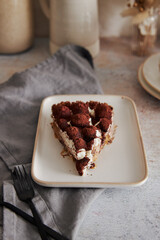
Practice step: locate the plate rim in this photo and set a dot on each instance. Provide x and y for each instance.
(146, 87)
(82, 183)
(149, 83)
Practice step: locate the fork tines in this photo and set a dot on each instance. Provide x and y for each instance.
(22, 181)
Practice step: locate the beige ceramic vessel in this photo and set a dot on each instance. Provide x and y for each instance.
(73, 21)
(16, 25)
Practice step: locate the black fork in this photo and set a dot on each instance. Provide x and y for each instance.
(25, 192)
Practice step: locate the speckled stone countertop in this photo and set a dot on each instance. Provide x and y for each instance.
(130, 213)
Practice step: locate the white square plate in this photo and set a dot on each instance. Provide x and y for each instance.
(121, 163)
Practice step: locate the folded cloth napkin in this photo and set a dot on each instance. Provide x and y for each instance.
(69, 71)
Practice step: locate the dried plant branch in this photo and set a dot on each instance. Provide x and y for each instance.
(129, 12)
(146, 31)
(139, 9)
(140, 17)
(156, 3)
(149, 3)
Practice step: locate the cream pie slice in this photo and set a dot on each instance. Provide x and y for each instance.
(83, 128)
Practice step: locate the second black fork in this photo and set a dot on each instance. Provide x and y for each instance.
(25, 192)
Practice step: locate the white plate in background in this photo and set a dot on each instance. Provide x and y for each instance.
(145, 85)
(151, 71)
(121, 163)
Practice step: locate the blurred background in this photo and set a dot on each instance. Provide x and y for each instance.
(110, 21)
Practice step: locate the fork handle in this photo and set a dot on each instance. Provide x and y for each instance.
(38, 221)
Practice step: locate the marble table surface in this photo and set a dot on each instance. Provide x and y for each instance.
(119, 213)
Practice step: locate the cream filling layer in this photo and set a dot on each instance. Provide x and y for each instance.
(81, 153)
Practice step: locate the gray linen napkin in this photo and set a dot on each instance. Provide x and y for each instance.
(63, 209)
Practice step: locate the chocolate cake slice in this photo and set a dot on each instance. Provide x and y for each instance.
(83, 128)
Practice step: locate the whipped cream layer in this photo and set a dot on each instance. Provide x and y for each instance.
(81, 153)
